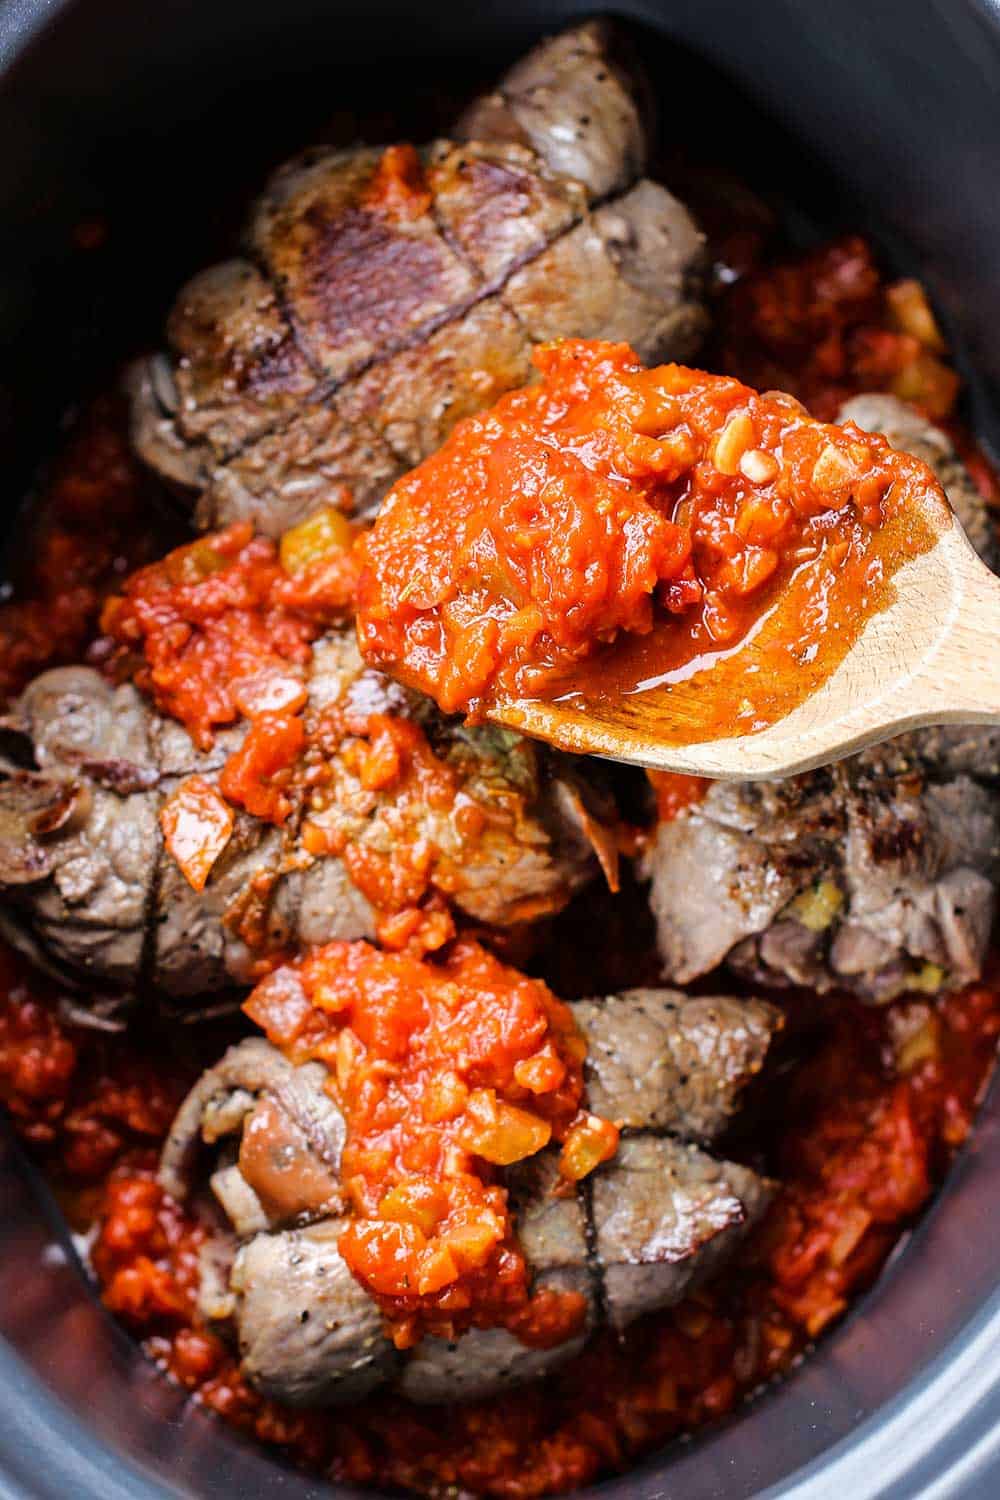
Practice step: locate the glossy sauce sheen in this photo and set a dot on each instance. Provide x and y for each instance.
(795, 634)
(613, 530)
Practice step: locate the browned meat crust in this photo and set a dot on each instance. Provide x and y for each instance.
(82, 861)
(661, 1059)
(357, 331)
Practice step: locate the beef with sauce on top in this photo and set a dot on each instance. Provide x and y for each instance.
(652, 1222)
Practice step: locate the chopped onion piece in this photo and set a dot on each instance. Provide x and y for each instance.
(196, 821)
(327, 531)
(501, 1133)
(590, 1142)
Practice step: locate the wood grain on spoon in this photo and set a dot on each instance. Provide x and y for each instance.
(665, 567)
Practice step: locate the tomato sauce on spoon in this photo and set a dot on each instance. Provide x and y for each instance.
(613, 530)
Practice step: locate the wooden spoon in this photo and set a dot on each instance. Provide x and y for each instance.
(931, 656)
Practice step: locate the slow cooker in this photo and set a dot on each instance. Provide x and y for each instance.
(153, 122)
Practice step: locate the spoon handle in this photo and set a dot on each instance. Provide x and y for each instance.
(959, 682)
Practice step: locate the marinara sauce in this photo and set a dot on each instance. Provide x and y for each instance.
(607, 503)
(863, 1133)
(446, 1071)
(221, 627)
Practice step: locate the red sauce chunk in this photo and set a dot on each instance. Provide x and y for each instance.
(219, 630)
(865, 1131)
(219, 627)
(446, 1072)
(827, 326)
(602, 499)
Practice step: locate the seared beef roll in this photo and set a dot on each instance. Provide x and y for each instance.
(386, 293)
(877, 875)
(92, 890)
(647, 1227)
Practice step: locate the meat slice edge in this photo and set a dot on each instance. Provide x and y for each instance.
(660, 1059)
(219, 1104)
(666, 1215)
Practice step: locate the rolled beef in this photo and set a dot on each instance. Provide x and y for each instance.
(90, 888)
(81, 830)
(307, 1333)
(660, 1059)
(225, 1097)
(647, 1227)
(666, 1216)
(877, 875)
(579, 101)
(385, 294)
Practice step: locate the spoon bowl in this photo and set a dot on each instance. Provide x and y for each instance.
(927, 657)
